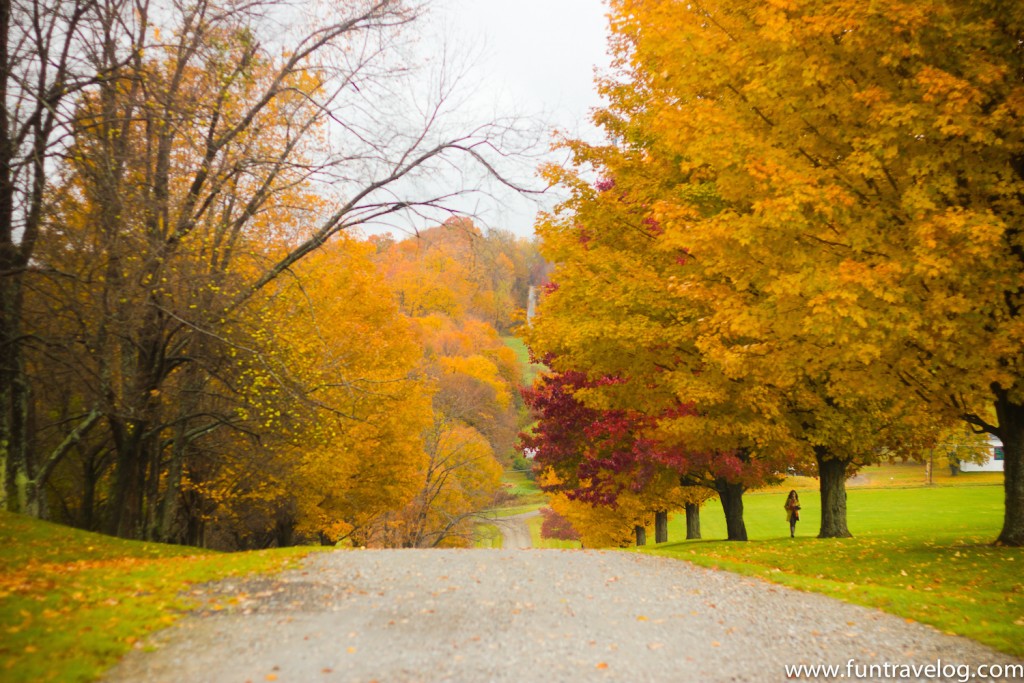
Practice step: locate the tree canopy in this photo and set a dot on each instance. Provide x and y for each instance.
(807, 226)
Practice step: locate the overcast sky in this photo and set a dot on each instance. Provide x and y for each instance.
(538, 57)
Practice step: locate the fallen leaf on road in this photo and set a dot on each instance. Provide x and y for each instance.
(601, 665)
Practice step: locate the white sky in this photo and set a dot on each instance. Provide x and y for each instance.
(536, 57)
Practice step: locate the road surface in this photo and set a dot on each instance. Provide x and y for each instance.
(520, 616)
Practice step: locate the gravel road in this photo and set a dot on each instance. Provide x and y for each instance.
(514, 531)
(523, 615)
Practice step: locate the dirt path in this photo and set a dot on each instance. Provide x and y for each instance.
(524, 615)
(515, 533)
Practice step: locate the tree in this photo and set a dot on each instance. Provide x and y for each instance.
(617, 308)
(556, 526)
(444, 281)
(605, 458)
(348, 435)
(747, 264)
(461, 479)
(41, 72)
(458, 270)
(204, 168)
(878, 150)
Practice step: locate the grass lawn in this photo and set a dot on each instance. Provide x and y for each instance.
(72, 602)
(525, 490)
(487, 536)
(498, 513)
(914, 474)
(898, 475)
(530, 370)
(921, 553)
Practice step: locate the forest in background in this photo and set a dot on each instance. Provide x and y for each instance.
(368, 398)
(198, 346)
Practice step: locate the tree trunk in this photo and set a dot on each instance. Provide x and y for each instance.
(87, 511)
(832, 484)
(170, 498)
(284, 533)
(14, 465)
(194, 526)
(692, 521)
(661, 526)
(167, 510)
(1011, 433)
(641, 534)
(731, 496)
(126, 501)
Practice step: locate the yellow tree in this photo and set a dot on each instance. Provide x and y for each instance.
(443, 280)
(869, 164)
(207, 163)
(625, 523)
(618, 309)
(461, 478)
(343, 371)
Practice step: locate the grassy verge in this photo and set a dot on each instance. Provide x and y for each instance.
(487, 536)
(530, 370)
(525, 491)
(923, 554)
(499, 513)
(72, 603)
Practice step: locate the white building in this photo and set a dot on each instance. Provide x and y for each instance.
(994, 462)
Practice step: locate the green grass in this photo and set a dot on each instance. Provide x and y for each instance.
(921, 553)
(527, 497)
(524, 491)
(899, 474)
(518, 509)
(72, 603)
(519, 484)
(530, 370)
(487, 536)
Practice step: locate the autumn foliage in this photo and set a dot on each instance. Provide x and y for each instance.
(334, 410)
(198, 344)
(604, 468)
(807, 228)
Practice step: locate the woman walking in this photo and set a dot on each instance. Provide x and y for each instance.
(793, 512)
